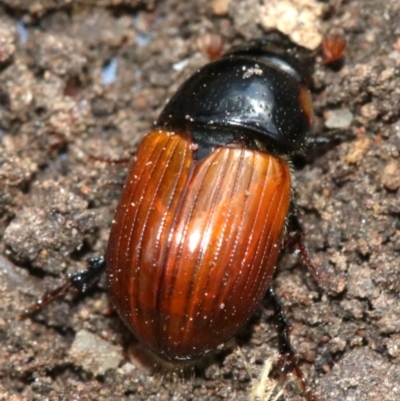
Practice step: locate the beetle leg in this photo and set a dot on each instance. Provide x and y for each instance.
(316, 146)
(80, 281)
(288, 361)
(295, 237)
(122, 160)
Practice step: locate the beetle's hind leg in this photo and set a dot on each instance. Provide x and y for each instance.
(288, 361)
(80, 282)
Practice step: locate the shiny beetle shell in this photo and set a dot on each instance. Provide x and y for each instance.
(195, 243)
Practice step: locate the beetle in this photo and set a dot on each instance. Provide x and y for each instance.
(207, 206)
(201, 219)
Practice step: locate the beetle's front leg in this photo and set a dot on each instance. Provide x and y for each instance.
(80, 281)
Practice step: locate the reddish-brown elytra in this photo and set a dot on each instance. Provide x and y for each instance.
(201, 218)
(194, 243)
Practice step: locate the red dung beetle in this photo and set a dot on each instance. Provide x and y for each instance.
(201, 219)
(207, 205)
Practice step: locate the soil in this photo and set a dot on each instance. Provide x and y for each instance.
(80, 83)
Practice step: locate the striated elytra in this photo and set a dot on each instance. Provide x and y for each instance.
(202, 215)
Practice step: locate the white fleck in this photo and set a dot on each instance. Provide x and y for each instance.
(180, 65)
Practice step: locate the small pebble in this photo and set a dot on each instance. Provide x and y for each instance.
(94, 354)
(391, 176)
(220, 7)
(299, 19)
(339, 119)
